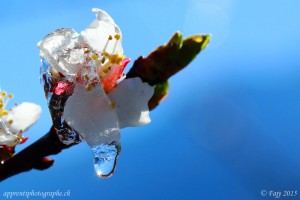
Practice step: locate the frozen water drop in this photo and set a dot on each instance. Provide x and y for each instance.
(105, 159)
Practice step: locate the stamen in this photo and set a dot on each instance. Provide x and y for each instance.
(117, 36)
(87, 51)
(108, 39)
(89, 87)
(103, 60)
(3, 94)
(86, 77)
(4, 98)
(95, 56)
(112, 105)
(3, 113)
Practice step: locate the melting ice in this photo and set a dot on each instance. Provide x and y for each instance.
(105, 158)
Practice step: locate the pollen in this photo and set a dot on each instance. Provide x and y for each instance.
(103, 60)
(117, 36)
(89, 87)
(87, 51)
(10, 121)
(4, 99)
(3, 94)
(106, 69)
(114, 58)
(86, 77)
(113, 105)
(95, 56)
(110, 37)
(3, 113)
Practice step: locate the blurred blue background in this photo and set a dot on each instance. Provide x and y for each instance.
(230, 125)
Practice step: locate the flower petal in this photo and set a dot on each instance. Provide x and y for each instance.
(98, 32)
(131, 97)
(90, 113)
(23, 116)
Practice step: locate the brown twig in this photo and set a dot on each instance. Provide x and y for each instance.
(34, 156)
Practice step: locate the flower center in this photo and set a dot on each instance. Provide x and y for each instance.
(106, 58)
(5, 123)
(108, 66)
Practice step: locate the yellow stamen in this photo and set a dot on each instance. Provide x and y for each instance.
(3, 93)
(103, 60)
(86, 77)
(117, 36)
(114, 58)
(112, 105)
(89, 87)
(3, 113)
(10, 96)
(10, 121)
(87, 51)
(105, 70)
(95, 56)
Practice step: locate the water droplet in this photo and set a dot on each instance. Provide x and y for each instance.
(105, 159)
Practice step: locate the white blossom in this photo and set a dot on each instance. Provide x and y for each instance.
(15, 121)
(103, 101)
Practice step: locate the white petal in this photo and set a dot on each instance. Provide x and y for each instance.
(97, 33)
(131, 97)
(23, 115)
(91, 115)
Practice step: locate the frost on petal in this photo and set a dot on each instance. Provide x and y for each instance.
(23, 116)
(90, 113)
(7, 139)
(63, 50)
(131, 98)
(98, 32)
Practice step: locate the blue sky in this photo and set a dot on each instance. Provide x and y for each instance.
(230, 125)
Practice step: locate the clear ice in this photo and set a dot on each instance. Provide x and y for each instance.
(105, 159)
(56, 104)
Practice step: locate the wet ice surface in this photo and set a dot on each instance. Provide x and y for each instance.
(105, 158)
(56, 105)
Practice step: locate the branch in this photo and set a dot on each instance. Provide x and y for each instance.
(34, 156)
